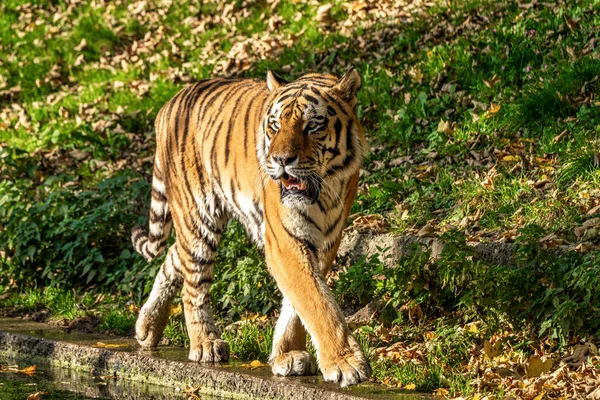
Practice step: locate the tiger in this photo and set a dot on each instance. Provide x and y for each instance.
(283, 158)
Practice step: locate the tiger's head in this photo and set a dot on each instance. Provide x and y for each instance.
(312, 134)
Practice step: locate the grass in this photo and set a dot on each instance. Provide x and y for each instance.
(482, 119)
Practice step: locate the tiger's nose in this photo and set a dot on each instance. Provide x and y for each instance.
(284, 160)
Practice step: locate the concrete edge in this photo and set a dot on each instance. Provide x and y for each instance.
(136, 367)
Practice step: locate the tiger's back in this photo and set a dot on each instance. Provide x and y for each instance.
(283, 159)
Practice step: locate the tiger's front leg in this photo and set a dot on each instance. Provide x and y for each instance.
(295, 267)
(289, 356)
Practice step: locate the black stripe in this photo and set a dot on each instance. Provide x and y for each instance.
(232, 118)
(203, 281)
(137, 235)
(156, 195)
(156, 218)
(195, 259)
(273, 234)
(338, 132)
(311, 99)
(246, 120)
(334, 225)
(309, 220)
(155, 238)
(309, 245)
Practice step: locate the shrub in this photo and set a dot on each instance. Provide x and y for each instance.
(61, 233)
(548, 292)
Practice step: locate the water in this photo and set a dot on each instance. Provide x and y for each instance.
(68, 384)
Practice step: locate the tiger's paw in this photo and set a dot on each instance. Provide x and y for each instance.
(149, 328)
(349, 369)
(210, 350)
(295, 362)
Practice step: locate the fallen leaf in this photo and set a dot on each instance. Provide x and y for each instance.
(175, 309)
(492, 82)
(425, 231)
(37, 395)
(410, 386)
(536, 366)
(255, 364)
(110, 345)
(494, 108)
(323, 13)
(492, 350)
(445, 127)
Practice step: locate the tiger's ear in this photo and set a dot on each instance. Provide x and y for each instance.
(349, 84)
(274, 81)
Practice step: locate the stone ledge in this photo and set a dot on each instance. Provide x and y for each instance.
(355, 244)
(224, 381)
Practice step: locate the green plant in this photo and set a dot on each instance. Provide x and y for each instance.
(251, 340)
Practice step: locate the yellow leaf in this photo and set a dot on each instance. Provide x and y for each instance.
(492, 350)
(494, 108)
(175, 309)
(536, 366)
(109, 345)
(410, 386)
(511, 158)
(255, 364)
(133, 308)
(472, 327)
(29, 370)
(539, 396)
(441, 392)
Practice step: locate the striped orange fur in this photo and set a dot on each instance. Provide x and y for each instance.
(283, 158)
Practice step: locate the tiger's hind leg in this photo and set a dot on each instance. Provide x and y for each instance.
(154, 315)
(197, 255)
(289, 355)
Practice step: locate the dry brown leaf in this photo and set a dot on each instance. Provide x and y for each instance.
(323, 13)
(37, 395)
(425, 231)
(492, 82)
(445, 127)
(373, 222)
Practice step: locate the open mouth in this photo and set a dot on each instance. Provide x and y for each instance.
(301, 190)
(291, 183)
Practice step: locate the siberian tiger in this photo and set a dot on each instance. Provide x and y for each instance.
(283, 158)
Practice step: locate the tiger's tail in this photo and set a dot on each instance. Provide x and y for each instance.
(151, 244)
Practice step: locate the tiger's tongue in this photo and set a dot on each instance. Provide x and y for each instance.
(292, 182)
